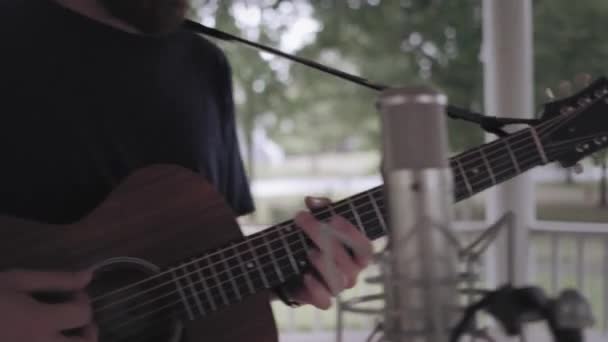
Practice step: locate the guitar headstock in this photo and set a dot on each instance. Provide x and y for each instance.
(575, 127)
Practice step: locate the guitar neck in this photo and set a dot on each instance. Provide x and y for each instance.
(272, 257)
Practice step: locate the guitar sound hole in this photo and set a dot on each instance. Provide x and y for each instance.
(127, 309)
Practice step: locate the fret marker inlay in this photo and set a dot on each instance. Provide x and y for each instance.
(273, 259)
(245, 271)
(258, 264)
(293, 262)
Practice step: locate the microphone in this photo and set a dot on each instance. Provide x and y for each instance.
(419, 267)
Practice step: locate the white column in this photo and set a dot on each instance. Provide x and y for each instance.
(508, 78)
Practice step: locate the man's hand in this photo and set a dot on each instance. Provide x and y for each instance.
(24, 319)
(336, 269)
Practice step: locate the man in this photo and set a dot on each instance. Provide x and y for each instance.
(92, 90)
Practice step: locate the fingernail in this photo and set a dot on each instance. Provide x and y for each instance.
(316, 201)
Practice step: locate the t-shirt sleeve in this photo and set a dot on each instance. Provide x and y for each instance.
(236, 185)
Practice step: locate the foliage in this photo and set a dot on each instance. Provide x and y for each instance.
(390, 42)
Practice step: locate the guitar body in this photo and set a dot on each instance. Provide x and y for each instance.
(159, 215)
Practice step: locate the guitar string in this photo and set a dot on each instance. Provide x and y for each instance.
(462, 155)
(207, 290)
(241, 266)
(181, 266)
(222, 285)
(229, 293)
(381, 205)
(239, 288)
(233, 257)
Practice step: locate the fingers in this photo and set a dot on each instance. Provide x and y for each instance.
(33, 281)
(316, 202)
(347, 233)
(66, 316)
(359, 243)
(336, 269)
(332, 250)
(89, 334)
(314, 293)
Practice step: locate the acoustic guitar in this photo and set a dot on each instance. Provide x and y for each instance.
(171, 263)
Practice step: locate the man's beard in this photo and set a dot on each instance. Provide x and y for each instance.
(149, 16)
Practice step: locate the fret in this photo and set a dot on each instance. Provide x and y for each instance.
(258, 263)
(526, 151)
(487, 163)
(323, 213)
(297, 242)
(245, 268)
(378, 212)
(343, 209)
(218, 280)
(205, 284)
(364, 206)
(193, 288)
(356, 215)
(290, 252)
(377, 229)
(231, 278)
(539, 146)
(331, 210)
(250, 264)
(366, 212)
(273, 259)
(182, 294)
(283, 254)
(515, 162)
(305, 247)
(464, 176)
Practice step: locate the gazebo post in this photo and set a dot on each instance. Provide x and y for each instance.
(508, 90)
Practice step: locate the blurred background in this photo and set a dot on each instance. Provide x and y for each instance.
(306, 133)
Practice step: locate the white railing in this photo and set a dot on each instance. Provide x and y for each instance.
(573, 254)
(562, 254)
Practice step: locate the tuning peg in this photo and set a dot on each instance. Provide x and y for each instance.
(582, 80)
(578, 168)
(549, 94)
(565, 88)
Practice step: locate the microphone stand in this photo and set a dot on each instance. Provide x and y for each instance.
(488, 123)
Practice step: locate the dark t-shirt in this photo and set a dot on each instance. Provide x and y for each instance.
(83, 105)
